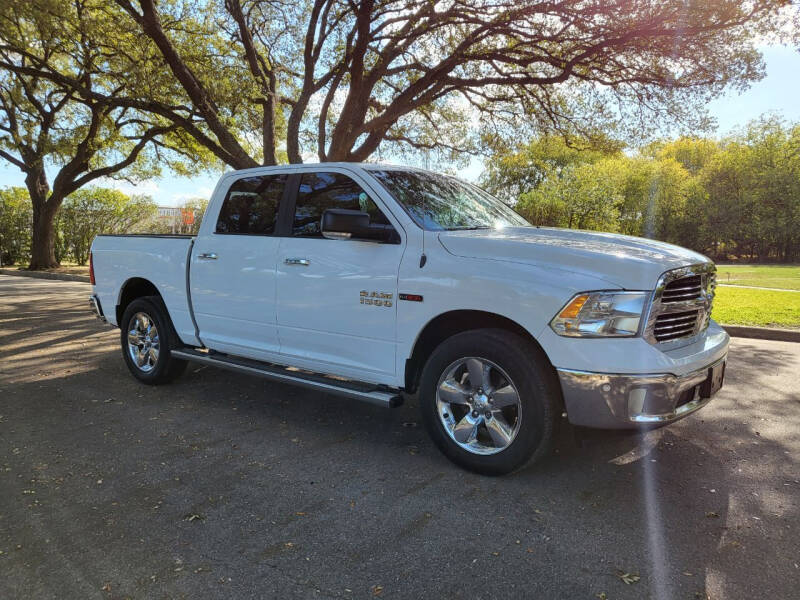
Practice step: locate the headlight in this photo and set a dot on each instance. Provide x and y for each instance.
(601, 314)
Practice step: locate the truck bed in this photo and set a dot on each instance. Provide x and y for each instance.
(162, 259)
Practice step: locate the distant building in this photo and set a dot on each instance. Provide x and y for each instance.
(179, 219)
(168, 212)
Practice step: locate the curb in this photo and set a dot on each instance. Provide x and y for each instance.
(45, 275)
(763, 333)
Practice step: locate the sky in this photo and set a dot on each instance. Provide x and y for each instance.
(777, 93)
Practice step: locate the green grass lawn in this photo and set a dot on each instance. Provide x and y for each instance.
(764, 308)
(772, 276)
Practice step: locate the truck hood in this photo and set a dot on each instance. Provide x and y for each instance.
(627, 262)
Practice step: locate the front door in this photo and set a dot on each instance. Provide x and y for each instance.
(337, 299)
(232, 275)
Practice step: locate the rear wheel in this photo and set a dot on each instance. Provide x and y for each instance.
(147, 339)
(489, 400)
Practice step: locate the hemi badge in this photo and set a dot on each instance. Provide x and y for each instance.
(410, 297)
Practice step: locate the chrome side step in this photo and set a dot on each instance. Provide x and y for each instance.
(365, 392)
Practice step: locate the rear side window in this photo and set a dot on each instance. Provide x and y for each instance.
(321, 191)
(251, 205)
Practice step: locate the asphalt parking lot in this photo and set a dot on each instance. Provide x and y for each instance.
(221, 485)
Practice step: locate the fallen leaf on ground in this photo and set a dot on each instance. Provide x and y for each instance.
(628, 578)
(712, 515)
(193, 517)
(376, 590)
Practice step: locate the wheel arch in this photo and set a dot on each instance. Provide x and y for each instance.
(452, 322)
(133, 288)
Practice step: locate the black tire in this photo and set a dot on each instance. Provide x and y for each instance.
(532, 377)
(165, 368)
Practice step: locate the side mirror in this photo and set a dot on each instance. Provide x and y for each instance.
(344, 224)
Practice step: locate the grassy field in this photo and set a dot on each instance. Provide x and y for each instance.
(764, 308)
(772, 276)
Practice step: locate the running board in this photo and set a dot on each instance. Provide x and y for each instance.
(366, 392)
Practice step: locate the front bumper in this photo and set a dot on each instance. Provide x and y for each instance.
(620, 401)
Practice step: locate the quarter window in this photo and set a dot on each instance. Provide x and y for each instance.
(321, 191)
(251, 205)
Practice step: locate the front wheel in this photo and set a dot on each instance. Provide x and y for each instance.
(489, 400)
(147, 339)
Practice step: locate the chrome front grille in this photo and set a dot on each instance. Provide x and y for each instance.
(675, 325)
(681, 306)
(685, 288)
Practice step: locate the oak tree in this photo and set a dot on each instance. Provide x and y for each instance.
(62, 139)
(351, 79)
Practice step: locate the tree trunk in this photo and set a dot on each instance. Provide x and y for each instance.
(43, 252)
(45, 206)
(293, 131)
(268, 133)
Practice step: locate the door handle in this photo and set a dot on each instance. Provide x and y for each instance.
(303, 262)
(208, 255)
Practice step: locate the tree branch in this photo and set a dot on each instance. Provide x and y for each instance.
(13, 160)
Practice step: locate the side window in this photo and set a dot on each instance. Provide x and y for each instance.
(251, 205)
(320, 191)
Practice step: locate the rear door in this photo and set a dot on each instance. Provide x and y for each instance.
(232, 275)
(337, 299)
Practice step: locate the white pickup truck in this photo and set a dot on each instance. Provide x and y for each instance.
(374, 281)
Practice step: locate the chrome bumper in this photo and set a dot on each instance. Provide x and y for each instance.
(618, 401)
(97, 308)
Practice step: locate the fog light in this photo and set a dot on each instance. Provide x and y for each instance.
(636, 400)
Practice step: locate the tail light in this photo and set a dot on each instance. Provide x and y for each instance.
(91, 268)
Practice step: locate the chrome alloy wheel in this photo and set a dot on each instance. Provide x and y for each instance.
(143, 343)
(478, 405)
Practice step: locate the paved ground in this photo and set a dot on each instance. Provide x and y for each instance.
(228, 486)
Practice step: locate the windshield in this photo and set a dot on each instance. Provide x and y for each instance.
(448, 203)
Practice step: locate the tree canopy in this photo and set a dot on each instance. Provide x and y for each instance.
(348, 79)
(738, 197)
(91, 211)
(47, 126)
(88, 212)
